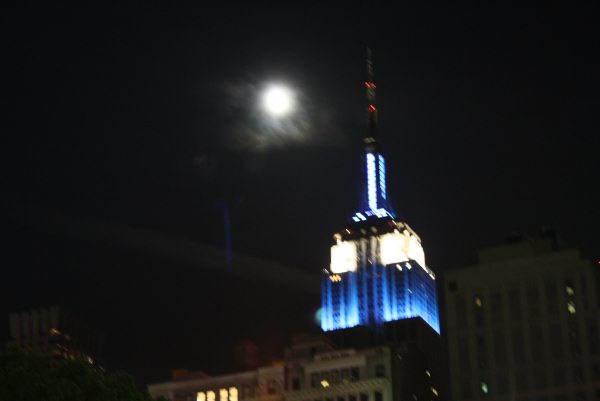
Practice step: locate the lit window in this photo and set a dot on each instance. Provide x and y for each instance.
(233, 394)
(324, 383)
(484, 388)
(428, 373)
(210, 396)
(434, 391)
(569, 290)
(571, 307)
(223, 395)
(201, 396)
(478, 302)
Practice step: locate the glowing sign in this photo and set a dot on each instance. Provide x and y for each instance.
(343, 257)
(371, 181)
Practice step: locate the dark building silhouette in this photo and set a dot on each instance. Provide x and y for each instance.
(54, 333)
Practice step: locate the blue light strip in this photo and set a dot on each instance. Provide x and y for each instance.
(371, 181)
(382, 177)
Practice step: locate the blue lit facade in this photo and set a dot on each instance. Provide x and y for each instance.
(377, 272)
(376, 294)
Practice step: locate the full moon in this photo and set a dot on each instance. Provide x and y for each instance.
(278, 101)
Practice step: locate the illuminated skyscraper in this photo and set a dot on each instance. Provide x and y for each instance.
(377, 272)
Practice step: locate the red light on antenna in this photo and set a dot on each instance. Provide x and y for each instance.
(372, 108)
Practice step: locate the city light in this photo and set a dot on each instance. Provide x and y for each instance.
(343, 257)
(371, 181)
(382, 177)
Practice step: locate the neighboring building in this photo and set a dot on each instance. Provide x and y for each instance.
(523, 324)
(398, 370)
(54, 333)
(264, 384)
(377, 272)
(314, 370)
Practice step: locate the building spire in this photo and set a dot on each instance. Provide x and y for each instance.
(370, 140)
(374, 201)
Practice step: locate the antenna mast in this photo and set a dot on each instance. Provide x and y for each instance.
(371, 107)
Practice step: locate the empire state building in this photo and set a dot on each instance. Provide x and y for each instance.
(378, 272)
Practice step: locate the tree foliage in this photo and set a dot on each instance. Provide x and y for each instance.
(28, 376)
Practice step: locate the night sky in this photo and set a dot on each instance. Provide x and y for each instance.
(130, 128)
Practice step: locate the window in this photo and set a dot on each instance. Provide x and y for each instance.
(314, 380)
(364, 397)
(483, 386)
(514, 304)
(559, 375)
(478, 302)
(496, 304)
(452, 286)
(341, 398)
(380, 371)
(571, 307)
(210, 396)
(233, 394)
(201, 396)
(295, 383)
(595, 372)
(354, 374)
(223, 394)
(521, 380)
(533, 301)
(537, 343)
(556, 342)
(464, 361)
(461, 311)
(502, 384)
(271, 387)
(351, 397)
(551, 297)
(499, 348)
(465, 389)
(518, 346)
(539, 377)
(378, 396)
(577, 374)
